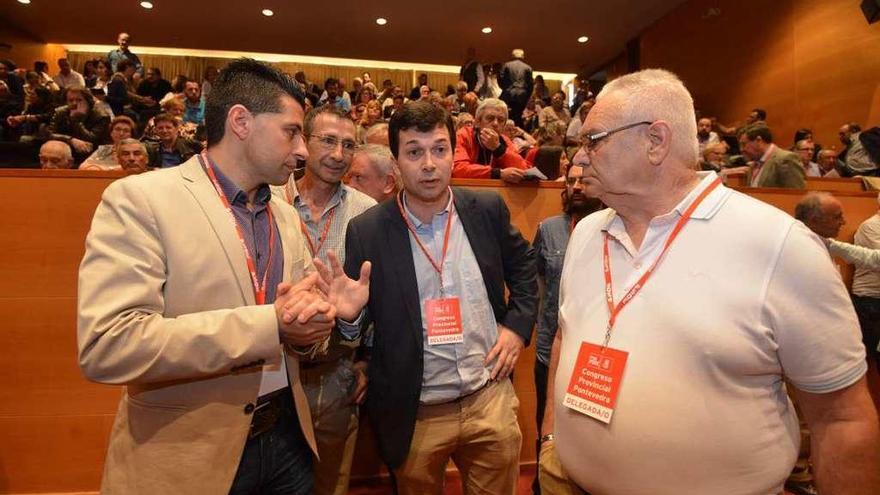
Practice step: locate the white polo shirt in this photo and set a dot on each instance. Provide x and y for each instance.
(745, 295)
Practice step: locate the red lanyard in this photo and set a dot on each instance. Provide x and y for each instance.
(613, 310)
(305, 229)
(437, 267)
(259, 287)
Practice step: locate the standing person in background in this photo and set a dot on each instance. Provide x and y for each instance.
(517, 85)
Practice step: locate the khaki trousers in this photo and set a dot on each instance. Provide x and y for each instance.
(328, 387)
(551, 474)
(481, 435)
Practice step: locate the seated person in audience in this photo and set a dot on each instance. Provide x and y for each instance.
(332, 95)
(387, 92)
(416, 93)
(522, 140)
(38, 111)
(79, 123)
(121, 94)
(471, 101)
(103, 75)
(373, 172)
(132, 155)
(55, 155)
(845, 136)
(90, 73)
(210, 76)
(177, 88)
(464, 119)
(714, 157)
(14, 86)
(154, 87)
(367, 93)
(44, 79)
(124, 53)
(483, 151)
(377, 134)
(389, 101)
(457, 101)
(859, 160)
(311, 90)
(104, 158)
(805, 149)
(556, 111)
(425, 93)
(530, 114)
(827, 161)
(175, 108)
(357, 111)
(173, 149)
(772, 166)
(67, 77)
(397, 102)
(195, 105)
(371, 115)
(705, 135)
(357, 85)
(574, 127)
(552, 134)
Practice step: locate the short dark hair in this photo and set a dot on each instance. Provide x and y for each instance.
(309, 122)
(157, 71)
(165, 117)
(854, 127)
(762, 114)
(123, 65)
(41, 66)
(755, 131)
(330, 81)
(421, 115)
(256, 85)
(86, 94)
(123, 119)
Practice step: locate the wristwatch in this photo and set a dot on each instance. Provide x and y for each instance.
(547, 437)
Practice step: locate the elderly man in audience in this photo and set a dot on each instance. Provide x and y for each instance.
(173, 149)
(483, 151)
(124, 53)
(705, 135)
(373, 172)
(805, 148)
(772, 166)
(464, 119)
(457, 101)
(845, 134)
(334, 379)
(79, 123)
(669, 374)
(827, 161)
(104, 158)
(67, 77)
(377, 134)
(194, 111)
(132, 155)
(55, 155)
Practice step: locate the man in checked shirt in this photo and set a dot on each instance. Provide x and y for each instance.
(334, 379)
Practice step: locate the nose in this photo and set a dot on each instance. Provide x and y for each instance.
(581, 158)
(300, 151)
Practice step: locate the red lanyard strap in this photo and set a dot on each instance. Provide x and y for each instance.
(613, 310)
(438, 267)
(304, 228)
(259, 287)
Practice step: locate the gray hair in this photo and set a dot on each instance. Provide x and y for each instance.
(61, 146)
(809, 207)
(518, 53)
(127, 141)
(461, 85)
(491, 103)
(375, 129)
(381, 159)
(657, 94)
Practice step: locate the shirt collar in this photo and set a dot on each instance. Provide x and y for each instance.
(338, 196)
(418, 223)
(766, 155)
(706, 210)
(236, 196)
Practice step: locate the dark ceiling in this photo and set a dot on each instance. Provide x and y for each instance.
(437, 33)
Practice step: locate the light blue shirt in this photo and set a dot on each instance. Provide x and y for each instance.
(194, 113)
(452, 370)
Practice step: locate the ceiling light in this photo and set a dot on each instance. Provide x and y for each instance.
(487, 30)
(381, 21)
(147, 5)
(24, 1)
(268, 13)
(583, 39)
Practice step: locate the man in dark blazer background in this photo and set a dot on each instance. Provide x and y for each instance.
(445, 339)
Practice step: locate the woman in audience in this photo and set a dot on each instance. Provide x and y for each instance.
(541, 92)
(556, 112)
(103, 74)
(530, 115)
(208, 81)
(464, 120)
(104, 158)
(520, 138)
(371, 115)
(175, 108)
(367, 93)
(42, 70)
(89, 73)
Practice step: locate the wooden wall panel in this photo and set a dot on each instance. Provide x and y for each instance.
(54, 425)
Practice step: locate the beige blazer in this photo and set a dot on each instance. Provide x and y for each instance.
(166, 308)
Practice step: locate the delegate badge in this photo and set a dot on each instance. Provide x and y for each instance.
(444, 321)
(595, 381)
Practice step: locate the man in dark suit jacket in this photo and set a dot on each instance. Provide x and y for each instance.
(516, 85)
(773, 166)
(445, 339)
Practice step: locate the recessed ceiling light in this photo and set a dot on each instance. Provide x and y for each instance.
(381, 21)
(268, 13)
(147, 5)
(487, 30)
(24, 1)
(583, 39)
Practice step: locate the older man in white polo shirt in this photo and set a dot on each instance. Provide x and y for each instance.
(683, 306)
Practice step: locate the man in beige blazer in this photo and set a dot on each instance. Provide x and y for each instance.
(773, 166)
(180, 301)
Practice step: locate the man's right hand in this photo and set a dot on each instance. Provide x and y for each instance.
(489, 139)
(81, 146)
(304, 316)
(512, 175)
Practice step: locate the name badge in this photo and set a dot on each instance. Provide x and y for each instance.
(595, 381)
(444, 321)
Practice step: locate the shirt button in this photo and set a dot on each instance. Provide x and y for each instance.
(249, 408)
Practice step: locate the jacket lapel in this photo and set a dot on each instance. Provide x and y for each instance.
(477, 235)
(280, 212)
(400, 256)
(199, 185)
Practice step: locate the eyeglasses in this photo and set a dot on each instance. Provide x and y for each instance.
(591, 141)
(331, 142)
(571, 181)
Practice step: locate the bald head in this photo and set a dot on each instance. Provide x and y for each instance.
(55, 155)
(821, 212)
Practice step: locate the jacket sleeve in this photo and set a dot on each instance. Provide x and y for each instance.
(57, 124)
(354, 258)
(859, 256)
(520, 274)
(791, 174)
(466, 149)
(123, 336)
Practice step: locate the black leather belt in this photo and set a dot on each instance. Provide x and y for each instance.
(269, 409)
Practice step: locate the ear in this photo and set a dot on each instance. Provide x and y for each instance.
(659, 141)
(240, 121)
(390, 184)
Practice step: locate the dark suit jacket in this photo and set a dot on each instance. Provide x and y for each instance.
(381, 236)
(516, 79)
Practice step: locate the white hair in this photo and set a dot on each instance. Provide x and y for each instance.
(128, 141)
(518, 53)
(657, 94)
(490, 103)
(381, 160)
(60, 146)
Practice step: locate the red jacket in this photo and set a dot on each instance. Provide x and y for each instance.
(475, 162)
